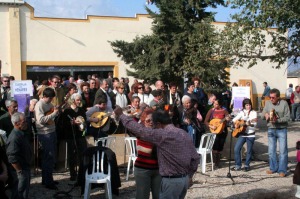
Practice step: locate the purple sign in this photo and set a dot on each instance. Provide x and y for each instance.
(23, 101)
(238, 103)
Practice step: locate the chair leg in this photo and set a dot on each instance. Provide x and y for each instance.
(128, 168)
(212, 161)
(203, 162)
(108, 190)
(87, 190)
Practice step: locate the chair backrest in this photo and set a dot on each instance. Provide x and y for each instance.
(207, 141)
(99, 162)
(131, 145)
(106, 141)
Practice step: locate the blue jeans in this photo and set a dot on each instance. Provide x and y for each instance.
(237, 150)
(20, 189)
(279, 134)
(48, 143)
(295, 111)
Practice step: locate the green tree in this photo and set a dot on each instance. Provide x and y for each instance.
(246, 41)
(183, 42)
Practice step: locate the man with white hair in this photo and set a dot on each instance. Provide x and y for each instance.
(5, 120)
(19, 155)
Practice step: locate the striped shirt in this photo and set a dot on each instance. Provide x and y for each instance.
(147, 155)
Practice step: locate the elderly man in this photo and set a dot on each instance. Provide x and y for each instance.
(277, 114)
(177, 156)
(5, 91)
(159, 85)
(103, 91)
(5, 120)
(19, 155)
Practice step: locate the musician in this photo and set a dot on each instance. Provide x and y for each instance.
(73, 133)
(188, 117)
(249, 116)
(100, 106)
(277, 132)
(217, 112)
(45, 125)
(210, 104)
(71, 89)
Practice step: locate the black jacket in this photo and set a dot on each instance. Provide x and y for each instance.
(88, 164)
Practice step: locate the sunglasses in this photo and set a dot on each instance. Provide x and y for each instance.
(56, 82)
(273, 97)
(148, 121)
(6, 81)
(140, 87)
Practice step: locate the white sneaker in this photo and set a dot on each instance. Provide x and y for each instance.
(298, 192)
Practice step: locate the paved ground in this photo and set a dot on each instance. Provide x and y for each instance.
(254, 184)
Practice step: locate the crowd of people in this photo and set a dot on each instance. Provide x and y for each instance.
(168, 123)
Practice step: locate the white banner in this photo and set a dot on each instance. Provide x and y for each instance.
(241, 92)
(21, 87)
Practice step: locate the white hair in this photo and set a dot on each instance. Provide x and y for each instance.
(16, 117)
(8, 102)
(186, 98)
(75, 96)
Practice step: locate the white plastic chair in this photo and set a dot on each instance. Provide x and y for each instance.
(98, 175)
(205, 147)
(130, 143)
(107, 142)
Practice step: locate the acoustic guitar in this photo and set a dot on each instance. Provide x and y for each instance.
(240, 127)
(219, 124)
(102, 116)
(60, 108)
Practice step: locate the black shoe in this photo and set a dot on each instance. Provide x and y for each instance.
(235, 169)
(51, 186)
(54, 182)
(246, 169)
(73, 178)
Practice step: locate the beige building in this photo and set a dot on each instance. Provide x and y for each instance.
(34, 47)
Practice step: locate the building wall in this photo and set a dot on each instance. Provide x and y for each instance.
(4, 42)
(69, 42)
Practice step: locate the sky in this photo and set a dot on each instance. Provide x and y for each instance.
(81, 8)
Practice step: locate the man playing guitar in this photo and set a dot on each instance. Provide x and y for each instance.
(102, 130)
